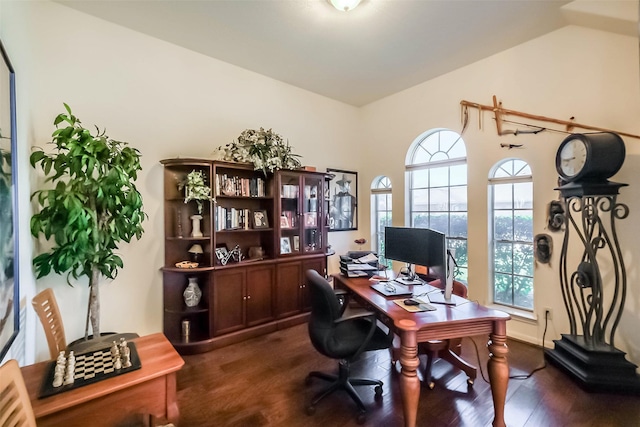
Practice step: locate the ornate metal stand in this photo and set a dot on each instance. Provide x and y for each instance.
(594, 309)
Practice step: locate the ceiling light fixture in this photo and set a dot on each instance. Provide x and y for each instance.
(345, 5)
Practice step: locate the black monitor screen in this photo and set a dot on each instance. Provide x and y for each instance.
(418, 246)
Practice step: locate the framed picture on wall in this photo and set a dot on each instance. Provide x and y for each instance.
(343, 200)
(9, 271)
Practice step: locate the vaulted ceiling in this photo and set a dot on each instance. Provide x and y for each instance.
(357, 57)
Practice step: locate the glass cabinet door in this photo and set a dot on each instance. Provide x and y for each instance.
(301, 211)
(289, 226)
(312, 213)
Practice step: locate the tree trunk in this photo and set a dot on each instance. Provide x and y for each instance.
(94, 303)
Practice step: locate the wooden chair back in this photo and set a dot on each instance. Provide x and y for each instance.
(15, 406)
(47, 309)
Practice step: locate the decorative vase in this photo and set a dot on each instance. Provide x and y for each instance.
(195, 226)
(192, 293)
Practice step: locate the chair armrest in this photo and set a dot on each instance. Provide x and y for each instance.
(360, 313)
(355, 313)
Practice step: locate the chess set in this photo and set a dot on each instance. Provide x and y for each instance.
(70, 371)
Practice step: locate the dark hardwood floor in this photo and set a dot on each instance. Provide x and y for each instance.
(261, 383)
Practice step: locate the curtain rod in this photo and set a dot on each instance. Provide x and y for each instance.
(499, 111)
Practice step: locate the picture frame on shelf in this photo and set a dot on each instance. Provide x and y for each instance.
(284, 222)
(343, 200)
(221, 253)
(311, 219)
(296, 243)
(285, 245)
(260, 219)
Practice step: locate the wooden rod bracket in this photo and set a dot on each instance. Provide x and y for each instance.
(498, 111)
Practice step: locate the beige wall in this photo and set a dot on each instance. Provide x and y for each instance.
(167, 101)
(573, 72)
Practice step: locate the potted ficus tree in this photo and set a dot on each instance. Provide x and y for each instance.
(90, 207)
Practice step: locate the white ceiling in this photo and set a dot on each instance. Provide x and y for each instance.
(382, 47)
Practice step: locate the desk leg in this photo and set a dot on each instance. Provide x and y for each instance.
(409, 382)
(173, 413)
(498, 367)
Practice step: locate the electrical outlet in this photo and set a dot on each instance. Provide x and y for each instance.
(548, 313)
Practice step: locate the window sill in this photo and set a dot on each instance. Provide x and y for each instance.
(516, 314)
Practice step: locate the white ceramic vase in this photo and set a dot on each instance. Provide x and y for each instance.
(195, 226)
(192, 293)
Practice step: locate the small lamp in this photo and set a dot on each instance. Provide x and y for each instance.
(345, 5)
(195, 253)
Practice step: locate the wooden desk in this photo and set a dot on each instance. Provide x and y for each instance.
(447, 322)
(122, 400)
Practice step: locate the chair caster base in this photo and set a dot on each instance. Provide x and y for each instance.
(378, 393)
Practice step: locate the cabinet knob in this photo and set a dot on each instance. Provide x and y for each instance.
(244, 298)
(248, 296)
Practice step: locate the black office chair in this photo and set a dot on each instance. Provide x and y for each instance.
(341, 333)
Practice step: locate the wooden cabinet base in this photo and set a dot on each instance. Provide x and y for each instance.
(236, 337)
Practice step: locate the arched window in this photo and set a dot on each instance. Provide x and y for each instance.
(511, 231)
(436, 169)
(380, 213)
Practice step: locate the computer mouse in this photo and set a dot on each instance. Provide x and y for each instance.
(411, 302)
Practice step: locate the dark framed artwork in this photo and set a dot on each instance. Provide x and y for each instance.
(9, 283)
(260, 219)
(343, 200)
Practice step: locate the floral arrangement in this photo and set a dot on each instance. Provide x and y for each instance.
(195, 189)
(266, 149)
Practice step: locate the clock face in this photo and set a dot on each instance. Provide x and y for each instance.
(573, 157)
(592, 157)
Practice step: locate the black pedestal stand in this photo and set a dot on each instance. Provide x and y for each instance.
(588, 352)
(595, 368)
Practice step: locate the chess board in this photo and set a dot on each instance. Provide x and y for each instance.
(90, 367)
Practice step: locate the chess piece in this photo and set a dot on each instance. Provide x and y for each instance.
(114, 350)
(71, 367)
(126, 358)
(57, 379)
(125, 353)
(117, 364)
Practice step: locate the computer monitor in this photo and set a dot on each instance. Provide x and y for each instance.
(417, 246)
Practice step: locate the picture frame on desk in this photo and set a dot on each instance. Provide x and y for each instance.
(285, 245)
(343, 200)
(260, 219)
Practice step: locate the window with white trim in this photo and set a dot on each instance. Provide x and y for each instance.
(381, 213)
(436, 169)
(511, 234)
